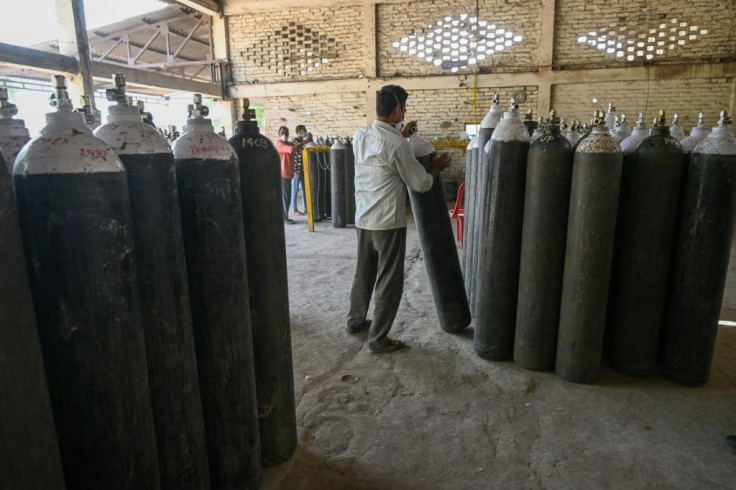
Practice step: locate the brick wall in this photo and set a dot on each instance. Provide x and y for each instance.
(442, 115)
(687, 97)
(259, 50)
(331, 114)
(712, 22)
(398, 20)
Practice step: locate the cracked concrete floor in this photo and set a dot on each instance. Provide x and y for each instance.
(437, 416)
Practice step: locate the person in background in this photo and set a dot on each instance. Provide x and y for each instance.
(287, 150)
(147, 117)
(298, 181)
(384, 166)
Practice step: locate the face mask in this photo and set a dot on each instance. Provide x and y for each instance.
(399, 126)
(283, 137)
(304, 135)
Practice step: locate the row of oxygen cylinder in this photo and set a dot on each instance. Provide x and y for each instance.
(331, 167)
(140, 345)
(602, 248)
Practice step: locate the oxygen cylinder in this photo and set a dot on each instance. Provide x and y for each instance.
(339, 194)
(27, 434)
(574, 134)
(162, 279)
(498, 275)
(642, 255)
(702, 250)
(471, 165)
(676, 129)
(438, 246)
(13, 132)
(269, 292)
(313, 167)
(208, 176)
(546, 202)
(539, 130)
(583, 132)
(628, 147)
(349, 182)
(638, 133)
(591, 226)
(610, 118)
(481, 191)
(564, 128)
(697, 134)
(530, 123)
(623, 130)
(75, 215)
(91, 116)
(326, 189)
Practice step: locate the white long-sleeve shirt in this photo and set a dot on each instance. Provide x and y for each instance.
(384, 166)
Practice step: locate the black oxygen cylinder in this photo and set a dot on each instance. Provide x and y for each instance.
(591, 228)
(647, 212)
(466, 258)
(498, 275)
(74, 210)
(269, 292)
(30, 452)
(530, 123)
(438, 246)
(315, 182)
(628, 147)
(326, 188)
(546, 203)
(349, 183)
(162, 279)
(338, 183)
(481, 191)
(208, 176)
(701, 255)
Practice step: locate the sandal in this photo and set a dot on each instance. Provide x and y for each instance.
(390, 346)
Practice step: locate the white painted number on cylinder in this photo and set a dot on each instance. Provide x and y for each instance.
(257, 142)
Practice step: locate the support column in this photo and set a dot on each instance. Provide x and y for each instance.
(370, 70)
(221, 53)
(545, 56)
(544, 98)
(73, 42)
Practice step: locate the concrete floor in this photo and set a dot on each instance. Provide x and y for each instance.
(437, 416)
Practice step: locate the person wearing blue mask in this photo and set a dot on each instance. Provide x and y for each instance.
(298, 181)
(384, 167)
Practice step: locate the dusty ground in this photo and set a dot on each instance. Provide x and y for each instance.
(437, 416)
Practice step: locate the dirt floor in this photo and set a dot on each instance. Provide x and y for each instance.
(437, 416)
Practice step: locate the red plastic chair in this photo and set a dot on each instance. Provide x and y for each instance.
(459, 213)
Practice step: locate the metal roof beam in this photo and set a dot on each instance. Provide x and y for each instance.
(41, 60)
(209, 7)
(104, 71)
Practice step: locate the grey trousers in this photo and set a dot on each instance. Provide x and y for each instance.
(285, 196)
(380, 266)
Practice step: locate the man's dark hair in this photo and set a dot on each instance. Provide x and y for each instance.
(388, 97)
(281, 128)
(298, 130)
